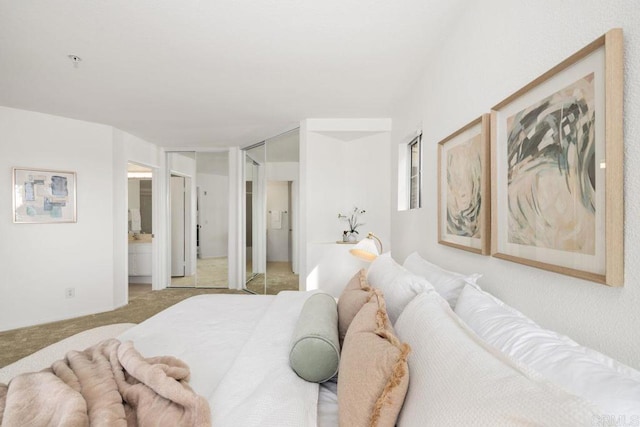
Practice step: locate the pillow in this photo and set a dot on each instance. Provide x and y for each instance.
(384, 269)
(580, 370)
(373, 376)
(459, 380)
(447, 283)
(397, 284)
(353, 297)
(315, 351)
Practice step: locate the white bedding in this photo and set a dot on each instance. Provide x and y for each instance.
(328, 404)
(186, 329)
(237, 347)
(260, 388)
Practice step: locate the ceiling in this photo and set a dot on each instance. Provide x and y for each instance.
(195, 73)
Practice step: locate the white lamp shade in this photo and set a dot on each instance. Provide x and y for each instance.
(366, 249)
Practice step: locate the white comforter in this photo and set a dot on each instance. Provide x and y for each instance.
(237, 347)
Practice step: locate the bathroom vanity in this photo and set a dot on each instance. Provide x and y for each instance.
(140, 259)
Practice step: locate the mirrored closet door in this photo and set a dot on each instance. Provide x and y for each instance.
(283, 172)
(198, 198)
(255, 218)
(271, 170)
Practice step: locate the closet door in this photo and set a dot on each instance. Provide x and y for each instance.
(255, 224)
(177, 226)
(282, 156)
(212, 206)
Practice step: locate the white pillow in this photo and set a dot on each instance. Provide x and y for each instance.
(448, 283)
(580, 370)
(397, 284)
(458, 380)
(384, 269)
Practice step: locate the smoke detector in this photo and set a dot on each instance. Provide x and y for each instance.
(75, 59)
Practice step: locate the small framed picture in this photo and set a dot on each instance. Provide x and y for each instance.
(43, 196)
(463, 188)
(557, 164)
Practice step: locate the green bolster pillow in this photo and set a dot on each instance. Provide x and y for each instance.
(315, 350)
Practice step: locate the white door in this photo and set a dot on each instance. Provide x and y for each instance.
(177, 226)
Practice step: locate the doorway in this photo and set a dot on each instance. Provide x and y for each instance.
(139, 226)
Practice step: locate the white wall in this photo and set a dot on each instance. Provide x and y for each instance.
(495, 48)
(344, 163)
(283, 171)
(183, 164)
(39, 261)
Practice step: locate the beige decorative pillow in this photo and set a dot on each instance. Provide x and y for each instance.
(373, 375)
(353, 297)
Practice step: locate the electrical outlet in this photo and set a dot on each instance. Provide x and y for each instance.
(70, 292)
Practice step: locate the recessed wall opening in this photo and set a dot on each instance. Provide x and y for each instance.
(139, 226)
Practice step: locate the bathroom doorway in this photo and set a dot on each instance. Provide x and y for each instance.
(139, 226)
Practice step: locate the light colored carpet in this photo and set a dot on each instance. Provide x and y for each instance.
(211, 273)
(279, 278)
(42, 359)
(143, 303)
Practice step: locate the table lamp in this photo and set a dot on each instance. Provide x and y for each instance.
(367, 249)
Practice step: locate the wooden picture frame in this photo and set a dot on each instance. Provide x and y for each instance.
(557, 167)
(464, 191)
(43, 196)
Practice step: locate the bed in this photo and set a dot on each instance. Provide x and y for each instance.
(418, 345)
(237, 347)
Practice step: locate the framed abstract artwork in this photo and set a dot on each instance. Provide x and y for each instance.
(557, 167)
(43, 196)
(464, 199)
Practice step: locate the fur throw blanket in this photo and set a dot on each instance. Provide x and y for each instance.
(109, 384)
